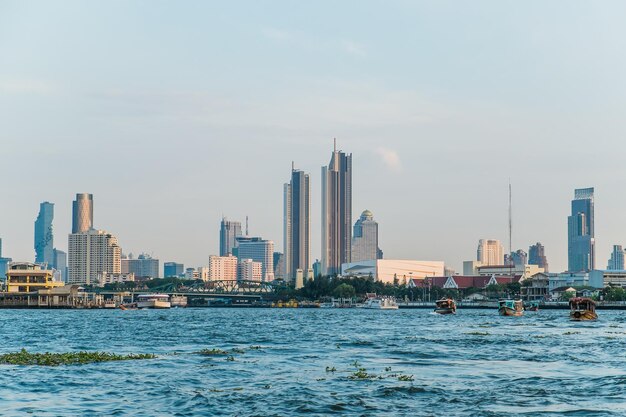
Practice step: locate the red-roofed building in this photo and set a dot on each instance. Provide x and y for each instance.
(461, 282)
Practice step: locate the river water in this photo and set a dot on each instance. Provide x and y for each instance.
(388, 363)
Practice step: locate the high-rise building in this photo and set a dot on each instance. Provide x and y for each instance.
(519, 257)
(250, 270)
(616, 262)
(60, 264)
(145, 266)
(90, 253)
(279, 266)
(173, 269)
(44, 241)
(82, 213)
(490, 252)
(258, 250)
(229, 232)
(297, 224)
(4, 263)
(365, 239)
(222, 268)
(537, 256)
(581, 235)
(336, 212)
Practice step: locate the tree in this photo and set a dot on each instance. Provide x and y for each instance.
(567, 295)
(344, 291)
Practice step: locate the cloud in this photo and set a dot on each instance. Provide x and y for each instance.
(390, 158)
(353, 48)
(26, 86)
(276, 34)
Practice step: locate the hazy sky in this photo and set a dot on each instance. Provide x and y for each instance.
(175, 113)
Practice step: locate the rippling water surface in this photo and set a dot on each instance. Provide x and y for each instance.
(474, 363)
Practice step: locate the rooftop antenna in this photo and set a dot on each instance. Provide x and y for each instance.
(335, 144)
(293, 166)
(247, 234)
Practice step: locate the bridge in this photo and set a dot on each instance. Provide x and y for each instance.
(229, 289)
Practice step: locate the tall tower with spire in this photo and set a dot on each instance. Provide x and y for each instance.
(297, 224)
(336, 212)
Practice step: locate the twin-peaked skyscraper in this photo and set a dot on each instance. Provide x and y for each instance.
(336, 218)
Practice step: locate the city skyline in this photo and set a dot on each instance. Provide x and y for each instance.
(432, 115)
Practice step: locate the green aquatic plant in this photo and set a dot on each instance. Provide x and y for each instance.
(255, 348)
(478, 333)
(212, 352)
(361, 374)
(230, 358)
(23, 357)
(236, 350)
(329, 369)
(407, 378)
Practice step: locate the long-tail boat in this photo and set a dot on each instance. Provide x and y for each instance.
(582, 309)
(445, 306)
(511, 308)
(532, 306)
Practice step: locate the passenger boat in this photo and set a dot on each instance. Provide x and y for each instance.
(153, 301)
(582, 309)
(110, 304)
(532, 306)
(178, 301)
(381, 303)
(445, 306)
(510, 308)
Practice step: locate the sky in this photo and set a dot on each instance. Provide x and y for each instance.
(174, 114)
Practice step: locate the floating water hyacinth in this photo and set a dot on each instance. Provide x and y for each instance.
(23, 357)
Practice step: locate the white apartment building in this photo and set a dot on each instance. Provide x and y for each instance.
(90, 253)
(250, 270)
(490, 252)
(108, 278)
(222, 268)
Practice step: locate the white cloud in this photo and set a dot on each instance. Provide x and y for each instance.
(390, 158)
(26, 86)
(353, 48)
(276, 34)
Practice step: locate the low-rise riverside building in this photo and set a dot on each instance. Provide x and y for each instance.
(612, 278)
(25, 277)
(575, 279)
(390, 270)
(536, 288)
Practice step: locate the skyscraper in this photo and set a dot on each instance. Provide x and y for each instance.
(519, 257)
(336, 212)
(173, 269)
(44, 244)
(60, 263)
(365, 239)
(490, 252)
(616, 262)
(580, 227)
(259, 250)
(90, 253)
(82, 213)
(537, 256)
(229, 231)
(297, 224)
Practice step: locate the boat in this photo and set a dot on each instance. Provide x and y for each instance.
(445, 306)
(178, 301)
(582, 309)
(381, 303)
(532, 306)
(153, 301)
(510, 307)
(110, 304)
(132, 306)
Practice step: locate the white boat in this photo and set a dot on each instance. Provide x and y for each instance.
(381, 303)
(153, 301)
(110, 304)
